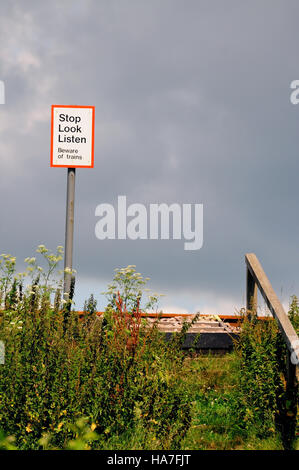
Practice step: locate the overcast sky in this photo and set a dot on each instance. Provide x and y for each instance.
(192, 106)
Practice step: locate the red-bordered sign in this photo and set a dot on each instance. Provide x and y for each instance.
(72, 136)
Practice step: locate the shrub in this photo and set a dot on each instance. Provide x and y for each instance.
(294, 312)
(260, 384)
(116, 372)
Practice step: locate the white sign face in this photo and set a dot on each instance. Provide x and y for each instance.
(72, 136)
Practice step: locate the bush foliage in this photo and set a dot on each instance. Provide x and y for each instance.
(112, 382)
(115, 371)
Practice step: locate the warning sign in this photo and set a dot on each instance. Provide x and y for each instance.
(72, 136)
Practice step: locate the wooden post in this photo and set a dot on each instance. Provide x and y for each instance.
(256, 278)
(251, 293)
(291, 403)
(259, 277)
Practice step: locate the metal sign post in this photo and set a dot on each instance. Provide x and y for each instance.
(72, 146)
(69, 229)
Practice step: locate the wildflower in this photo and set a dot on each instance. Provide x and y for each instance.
(29, 428)
(42, 249)
(69, 271)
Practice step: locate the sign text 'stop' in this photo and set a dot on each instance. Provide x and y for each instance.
(72, 136)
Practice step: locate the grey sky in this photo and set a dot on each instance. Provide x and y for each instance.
(192, 106)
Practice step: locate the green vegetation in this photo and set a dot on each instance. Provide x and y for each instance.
(113, 375)
(294, 313)
(217, 421)
(114, 383)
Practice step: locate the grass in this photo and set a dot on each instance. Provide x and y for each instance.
(214, 384)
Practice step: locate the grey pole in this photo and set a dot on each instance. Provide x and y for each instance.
(69, 228)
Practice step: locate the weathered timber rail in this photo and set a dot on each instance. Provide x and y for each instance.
(257, 279)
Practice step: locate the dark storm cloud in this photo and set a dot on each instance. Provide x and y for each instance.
(192, 105)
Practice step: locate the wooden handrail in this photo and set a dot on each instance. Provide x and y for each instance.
(256, 278)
